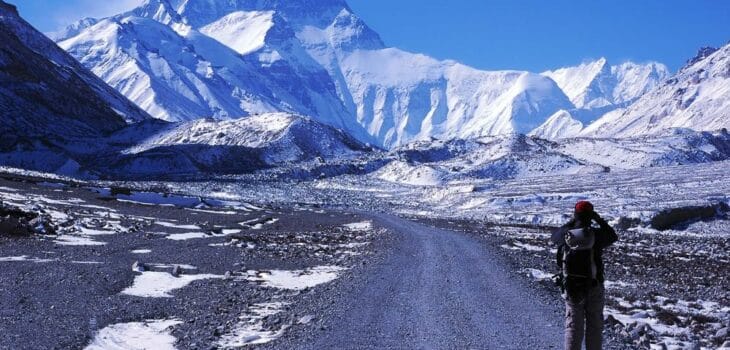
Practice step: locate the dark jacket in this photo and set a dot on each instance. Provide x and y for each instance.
(605, 236)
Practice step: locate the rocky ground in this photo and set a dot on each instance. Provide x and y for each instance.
(224, 275)
(664, 290)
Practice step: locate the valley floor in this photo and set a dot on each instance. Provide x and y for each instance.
(299, 276)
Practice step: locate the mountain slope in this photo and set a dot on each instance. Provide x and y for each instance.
(48, 100)
(245, 145)
(697, 97)
(402, 97)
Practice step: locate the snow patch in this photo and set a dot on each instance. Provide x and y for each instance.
(155, 284)
(359, 226)
(250, 328)
(295, 279)
(151, 334)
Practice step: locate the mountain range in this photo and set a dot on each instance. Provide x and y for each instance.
(184, 60)
(225, 87)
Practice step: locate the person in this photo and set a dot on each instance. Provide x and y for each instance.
(580, 248)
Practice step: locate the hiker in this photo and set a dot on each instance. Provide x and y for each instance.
(580, 246)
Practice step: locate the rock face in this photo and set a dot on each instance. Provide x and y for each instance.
(47, 99)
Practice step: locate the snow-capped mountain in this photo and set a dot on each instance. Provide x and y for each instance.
(51, 107)
(251, 63)
(184, 60)
(190, 59)
(598, 84)
(697, 97)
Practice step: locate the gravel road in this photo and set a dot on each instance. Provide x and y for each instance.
(435, 289)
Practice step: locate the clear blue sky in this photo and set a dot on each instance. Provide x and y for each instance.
(504, 34)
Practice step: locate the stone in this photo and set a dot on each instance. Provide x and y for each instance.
(305, 319)
(722, 334)
(139, 267)
(15, 226)
(176, 271)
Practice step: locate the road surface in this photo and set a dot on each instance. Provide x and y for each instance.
(436, 289)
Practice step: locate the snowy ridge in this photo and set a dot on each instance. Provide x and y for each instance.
(597, 84)
(697, 97)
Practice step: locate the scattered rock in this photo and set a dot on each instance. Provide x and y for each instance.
(18, 222)
(625, 223)
(305, 319)
(722, 334)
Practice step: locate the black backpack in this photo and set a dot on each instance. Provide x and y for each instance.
(576, 261)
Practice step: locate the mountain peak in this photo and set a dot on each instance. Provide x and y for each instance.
(159, 10)
(349, 32)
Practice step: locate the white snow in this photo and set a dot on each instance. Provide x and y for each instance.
(25, 258)
(141, 251)
(156, 284)
(187, 235)
(72, 240)
(523, 246)
(559, 126)
(250, 329)
(360, 226)
(538, 274)
(177, 226)
(147, 335)
(242, 31)
(295, 279)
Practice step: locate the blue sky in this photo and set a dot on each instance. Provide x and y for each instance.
(504, 34)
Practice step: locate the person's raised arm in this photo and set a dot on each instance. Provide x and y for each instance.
(606, 235)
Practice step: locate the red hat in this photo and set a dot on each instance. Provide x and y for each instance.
(583, 207)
